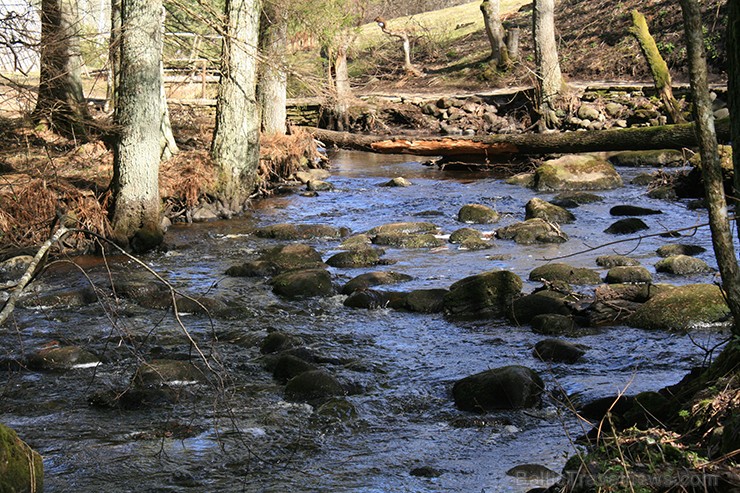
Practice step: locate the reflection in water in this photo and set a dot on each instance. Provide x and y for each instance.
(239, 434)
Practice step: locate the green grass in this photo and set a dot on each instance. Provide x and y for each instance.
(451, 24)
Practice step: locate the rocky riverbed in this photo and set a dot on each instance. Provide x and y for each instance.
(387, 327)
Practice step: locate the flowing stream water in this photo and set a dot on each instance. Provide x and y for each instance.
(240, 434)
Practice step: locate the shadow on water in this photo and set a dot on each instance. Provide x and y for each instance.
(240, 434)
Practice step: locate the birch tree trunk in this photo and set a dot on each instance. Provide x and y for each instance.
(273, 83)
(135, 186)
(491, 10)
(61, 103)
(549, 82)
(722, 237)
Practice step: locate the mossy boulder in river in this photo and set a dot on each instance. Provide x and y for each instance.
(365, 257)
(565, 272)
(464, 234)
(680, 249)
(576, 172)
(291, 232)
(369, 279)
(682, 265)
(681, 308)
(292, 257)
(532, 231)
(21, 468)
(538, 208)
(654, 158)
(485, 295)
(609, 261)
(371, 299)
(426, 300)
(161, 372)
(628, 274)
(508, 387)
(303, 284)
(477, 214)
(406, 240)
(403, 228)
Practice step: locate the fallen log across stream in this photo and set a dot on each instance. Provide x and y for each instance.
(502, 146)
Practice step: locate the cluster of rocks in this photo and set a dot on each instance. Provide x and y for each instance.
(502, 114)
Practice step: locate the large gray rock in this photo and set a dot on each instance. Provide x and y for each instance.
(303, 284)
(485, 295)
(406, 240)
(21, 467)
(532, 231)
(538, 208)
(680, 249)
(508, 387)
(681, 308)
(576, 172)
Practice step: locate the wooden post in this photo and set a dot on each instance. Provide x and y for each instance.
(203, 78)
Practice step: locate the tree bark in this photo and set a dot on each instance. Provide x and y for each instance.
(491, 10)
(168, 146)
(504, 146)
(273, 83)
(61, 103)
(719, 222)
(733, 91)
(335, 113)
(658, 67)
(235, 148)
(135, 185)
(547, 66)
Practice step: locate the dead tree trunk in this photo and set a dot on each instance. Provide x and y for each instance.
(504, 146)
(408, 67)
(658, 67)
(547, 65)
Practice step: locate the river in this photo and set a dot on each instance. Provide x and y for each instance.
(240, 434)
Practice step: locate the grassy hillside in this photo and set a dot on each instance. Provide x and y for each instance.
(451, 47)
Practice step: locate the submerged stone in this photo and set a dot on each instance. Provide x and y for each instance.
(369, 279)
(62, 358)
(558, 351)
(680, 249)
(632, 210)
(365, 257)
(315, 385)
(626, 226)
(292, 232)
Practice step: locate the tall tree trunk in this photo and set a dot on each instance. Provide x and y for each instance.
(61, 103)
(408, 67)
(733, 92)
(135, 186)
(658, 67)
(273, 84)
(114, 52)
(335, 113)
(722, 238)
(167, 145)
(491, 10)
(235, 147)
(549, 82)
